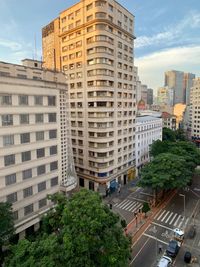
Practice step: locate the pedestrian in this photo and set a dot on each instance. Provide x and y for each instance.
(109, 192)
(159, 248)
(119, 188)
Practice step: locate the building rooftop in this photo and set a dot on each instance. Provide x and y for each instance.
(146, 118)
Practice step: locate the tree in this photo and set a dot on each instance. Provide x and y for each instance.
(145, 208)
(168, 135)
(159, 147)
(6, 225)
(180, 135)
(87, 234)
(166, 171)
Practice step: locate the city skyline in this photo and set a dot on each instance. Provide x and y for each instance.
(167, 34)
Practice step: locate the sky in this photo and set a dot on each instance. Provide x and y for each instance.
(167, 33)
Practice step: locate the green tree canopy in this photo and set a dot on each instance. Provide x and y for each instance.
(166, 171)
(85, 233)
(168, 135)
(158, 147)
(6, 225)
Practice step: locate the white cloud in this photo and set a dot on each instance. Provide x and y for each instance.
(152, 67)
(14, 46)
(173, 33)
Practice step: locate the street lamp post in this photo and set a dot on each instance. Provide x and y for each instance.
(182, 195)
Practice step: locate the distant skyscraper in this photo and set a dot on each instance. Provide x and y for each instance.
(188, 83)
(144, 93)
(174, 80)
(163, 97)
(93, 42)
(149, 96)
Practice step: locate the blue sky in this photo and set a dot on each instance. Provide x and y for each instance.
(168, 33)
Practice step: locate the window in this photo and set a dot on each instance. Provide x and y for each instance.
(11, 198)
(40, 152)
(26, 174)
(25, 138)
(26, 156)
(54, 181)
(88, 7)
(27, 192)
(8, 140)
(42, 203)
(7, 120)
(52, 134)
(15, 215)
(89, 17)
(39, 118)
(41, 186)
(9, 160)
(28, 209)
(6, 100)
(51, 100)
(52, 117)
(41, 169)
(53, 165)
(53, 150)
(10, 179)
(38, 100)
(24, 118)
(39, 135)
(23, 100)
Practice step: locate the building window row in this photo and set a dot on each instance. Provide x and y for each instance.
(25, 100)
(7, 119)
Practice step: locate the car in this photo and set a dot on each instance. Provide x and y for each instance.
(172, 248)
(165, 261)
(187, 257)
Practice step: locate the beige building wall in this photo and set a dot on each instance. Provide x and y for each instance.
(96, 47)
(195, 110)
(33, 145)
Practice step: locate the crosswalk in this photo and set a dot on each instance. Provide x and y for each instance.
(129, 205)
(171, 218)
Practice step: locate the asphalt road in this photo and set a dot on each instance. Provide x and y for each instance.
(145, 251)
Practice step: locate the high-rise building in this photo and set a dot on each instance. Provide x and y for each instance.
(195, 111)
(92, 42)
(150, 96)
(188, 83)
(35, 156)
(174, 80)
(163, 96)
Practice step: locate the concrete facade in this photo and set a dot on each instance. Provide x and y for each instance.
(33, 140)
(148, 129)
(195, 110)
(96, 41)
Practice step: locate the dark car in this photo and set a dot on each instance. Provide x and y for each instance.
(172, 248)
(187, 257)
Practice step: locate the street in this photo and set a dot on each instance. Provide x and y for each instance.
(182, 212)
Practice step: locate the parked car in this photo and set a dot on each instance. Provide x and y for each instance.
(172, 248)
(165, 261)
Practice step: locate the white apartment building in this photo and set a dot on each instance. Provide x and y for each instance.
(148, 129)
(92, 42)
(195, 110)
(34, 144)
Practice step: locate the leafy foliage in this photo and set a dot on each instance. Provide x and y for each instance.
(145, 207)
(168, 135)
(166, 171)
(6, 222)
(81, 231)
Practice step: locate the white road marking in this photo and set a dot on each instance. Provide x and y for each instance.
(154, 237)
(139, 251)
(117, 204)
(132, 206)
(136, 208)
(161, 215)
(128, 206)
(157, 214)
(169, 217)
(186, 222)
(124, 204)
(165, 216)
(173, 218)
(177, 220)
(181, 222)
(171, 229)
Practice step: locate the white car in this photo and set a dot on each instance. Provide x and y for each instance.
(165, 261)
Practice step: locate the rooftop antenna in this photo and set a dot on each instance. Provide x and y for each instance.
(35, 52)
